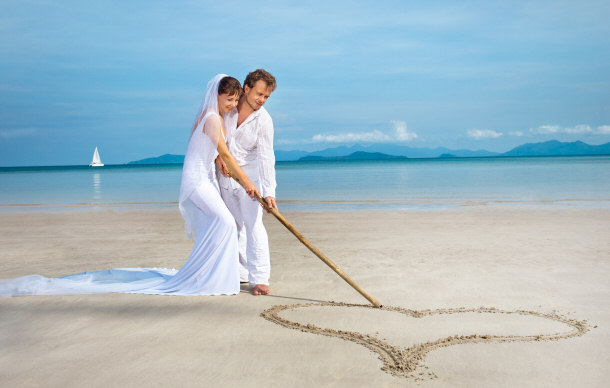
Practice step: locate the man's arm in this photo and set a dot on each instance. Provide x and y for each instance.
(266, 160)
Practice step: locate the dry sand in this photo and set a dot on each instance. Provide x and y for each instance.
(541, 275)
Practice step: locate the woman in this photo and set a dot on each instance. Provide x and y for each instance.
(213, 266)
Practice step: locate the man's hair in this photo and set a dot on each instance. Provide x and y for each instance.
(260, 75)
(230, 86)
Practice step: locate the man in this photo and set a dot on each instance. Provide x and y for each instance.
(250, 139)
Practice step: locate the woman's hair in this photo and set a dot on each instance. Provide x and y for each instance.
(260, 75)
(230, 86)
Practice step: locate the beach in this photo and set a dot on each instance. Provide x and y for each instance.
(540, 274)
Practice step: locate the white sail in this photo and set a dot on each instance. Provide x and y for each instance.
(96, 161)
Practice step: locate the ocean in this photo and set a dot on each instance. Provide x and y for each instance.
(411, 184)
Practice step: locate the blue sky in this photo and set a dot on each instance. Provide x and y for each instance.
(128, 76)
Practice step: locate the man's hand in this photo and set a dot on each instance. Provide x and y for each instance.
(222, 167)
(270, 201)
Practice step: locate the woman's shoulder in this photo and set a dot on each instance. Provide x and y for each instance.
(209, 115)
(211, 118)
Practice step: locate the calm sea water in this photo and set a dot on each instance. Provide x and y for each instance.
(334, 185)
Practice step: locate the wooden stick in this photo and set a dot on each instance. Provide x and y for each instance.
(316, 251)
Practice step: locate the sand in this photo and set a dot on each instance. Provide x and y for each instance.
(476, 296)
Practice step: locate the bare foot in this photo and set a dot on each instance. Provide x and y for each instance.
(261, 289)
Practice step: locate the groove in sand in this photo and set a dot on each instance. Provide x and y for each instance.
(408, 362)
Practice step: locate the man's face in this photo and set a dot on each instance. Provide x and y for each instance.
(257, 95)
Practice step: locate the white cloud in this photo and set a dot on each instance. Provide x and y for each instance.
(603, 130)
(581, 129)
(286, 142)
(544, 129)
(400, 129)
(516, 133)
(10, 133)
(478, 134)
(375, 136)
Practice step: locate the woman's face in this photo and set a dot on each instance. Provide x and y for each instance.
(226, 102)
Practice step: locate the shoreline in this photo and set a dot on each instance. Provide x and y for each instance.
(298, 206)
(546, 260)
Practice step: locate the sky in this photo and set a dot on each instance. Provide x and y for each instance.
(128, 76)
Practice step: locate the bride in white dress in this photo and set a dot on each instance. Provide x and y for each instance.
(213, 266)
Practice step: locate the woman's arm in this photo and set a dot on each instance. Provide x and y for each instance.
(235, 170)
(213, 129)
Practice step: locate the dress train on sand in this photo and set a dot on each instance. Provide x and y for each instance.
(213, 266)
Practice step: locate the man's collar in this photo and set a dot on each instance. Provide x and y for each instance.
(252, 115)
(256, 112)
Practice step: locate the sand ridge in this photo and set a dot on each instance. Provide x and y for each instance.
(409, 362)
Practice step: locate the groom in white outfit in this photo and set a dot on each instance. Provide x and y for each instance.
(250, 139)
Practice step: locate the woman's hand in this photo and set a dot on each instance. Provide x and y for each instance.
(251, 189)
(222, 167)
(229, 163)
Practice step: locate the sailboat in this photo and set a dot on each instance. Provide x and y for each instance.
(96, 161)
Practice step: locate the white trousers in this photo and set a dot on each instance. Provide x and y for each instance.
(254, 260)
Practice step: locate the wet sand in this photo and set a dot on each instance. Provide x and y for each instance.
(479, 296)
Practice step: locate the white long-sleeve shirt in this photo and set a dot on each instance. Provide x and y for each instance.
(252, 146)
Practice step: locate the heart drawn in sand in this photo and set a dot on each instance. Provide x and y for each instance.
(408, 361)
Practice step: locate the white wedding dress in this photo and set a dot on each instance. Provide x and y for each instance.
(213, 266)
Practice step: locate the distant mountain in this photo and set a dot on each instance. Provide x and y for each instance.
(339, 151)
(289, 155)
(549, 148)
(391, 151)
(358, 155)
(557, 148)
(388, 149)
(163, 159)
